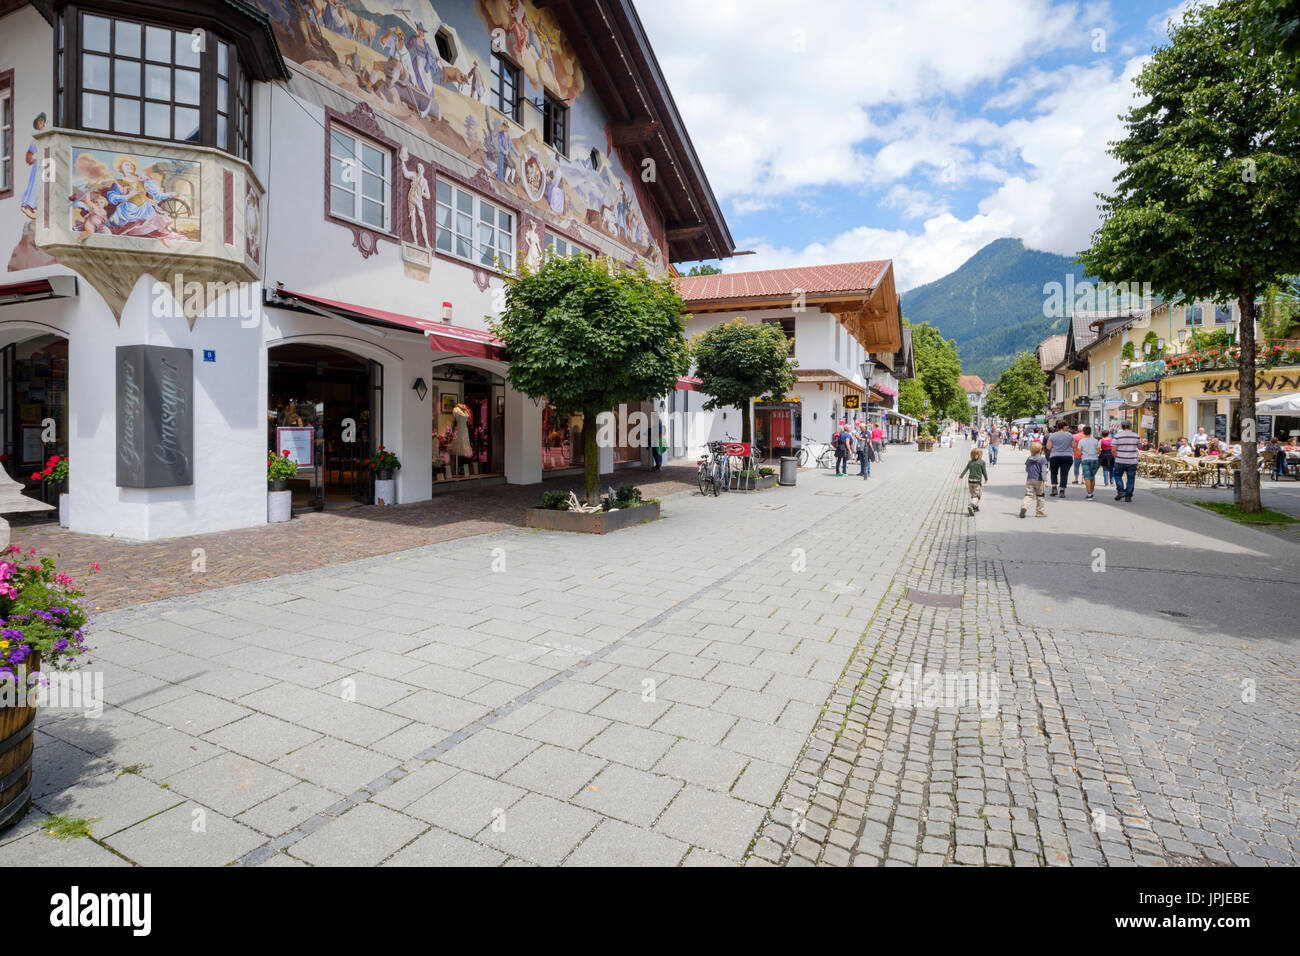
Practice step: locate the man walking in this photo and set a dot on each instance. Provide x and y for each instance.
(863, 444)
(995, 440)
(1060, 457)
(842, 442)
(1125, 447)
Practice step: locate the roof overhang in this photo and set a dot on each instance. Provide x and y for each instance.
(644, 122)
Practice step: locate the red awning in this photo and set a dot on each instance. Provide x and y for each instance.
(54, 287)
(689, 384)
(443, 337)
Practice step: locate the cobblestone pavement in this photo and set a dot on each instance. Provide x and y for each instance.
(1072, 745)
(704, 690)
(136, 572)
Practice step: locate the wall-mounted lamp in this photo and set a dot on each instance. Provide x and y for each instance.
(420, 388)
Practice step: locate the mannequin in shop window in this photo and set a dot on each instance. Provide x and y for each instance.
(461, 446)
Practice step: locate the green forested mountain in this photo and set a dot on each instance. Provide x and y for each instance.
(992, 306)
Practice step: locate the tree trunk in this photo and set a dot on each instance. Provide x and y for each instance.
(746, 426)
(591, 455)
(1246, 391)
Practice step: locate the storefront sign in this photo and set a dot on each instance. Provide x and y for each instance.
(852, 402)
(1083, 401)
(1270, 383)
(297, 441)
(155, 416)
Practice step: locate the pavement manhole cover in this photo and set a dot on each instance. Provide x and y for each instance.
(771, 507)
(933, 598)
(1176, 613)
(839, 494)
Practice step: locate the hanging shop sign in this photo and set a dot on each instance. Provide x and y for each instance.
(155, 416)
(1083, 401)
(852, 402)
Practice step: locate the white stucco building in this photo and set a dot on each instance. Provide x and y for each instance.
(311, 203)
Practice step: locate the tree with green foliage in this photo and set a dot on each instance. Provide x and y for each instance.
(704, 270)
(1020, 391)
(961, 412)
(938, 369)
(911, 397)
(1207, 202)
(738, 362)
(589, 335)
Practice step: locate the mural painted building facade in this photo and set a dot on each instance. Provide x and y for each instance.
(313, 202)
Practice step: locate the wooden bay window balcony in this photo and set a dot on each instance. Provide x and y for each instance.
(113, 208)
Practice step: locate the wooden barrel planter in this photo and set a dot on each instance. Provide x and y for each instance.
(17, 743)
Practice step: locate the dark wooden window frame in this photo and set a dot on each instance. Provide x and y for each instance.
(69, 88)
(555, 114)
(7, 87)
(504, 64)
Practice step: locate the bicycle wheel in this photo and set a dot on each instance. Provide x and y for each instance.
(803, 456)
(720, 473)
(757, 453)
(704, 478)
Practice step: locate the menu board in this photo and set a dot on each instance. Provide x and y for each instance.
(1221, 427)
(298, 442)
(1264, 427)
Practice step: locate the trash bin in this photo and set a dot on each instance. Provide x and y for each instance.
(789, 469)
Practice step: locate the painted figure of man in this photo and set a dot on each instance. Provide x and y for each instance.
(417, 193)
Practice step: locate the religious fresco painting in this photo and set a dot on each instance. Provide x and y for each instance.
(385, 53)
(26, 254)
(116, 194)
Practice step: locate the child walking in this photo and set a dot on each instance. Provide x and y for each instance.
(1036, 470)
(976, 473)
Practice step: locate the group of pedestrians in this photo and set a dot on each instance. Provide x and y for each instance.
(1079, 452)
(863, 441)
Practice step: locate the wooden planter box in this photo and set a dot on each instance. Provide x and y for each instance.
(602, 522)
(17, 739)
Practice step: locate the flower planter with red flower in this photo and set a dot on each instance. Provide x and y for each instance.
(42, 624)
(55, 474)
(383, 463)
(279, 500)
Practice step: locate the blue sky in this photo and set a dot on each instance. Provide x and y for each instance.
(835, 130)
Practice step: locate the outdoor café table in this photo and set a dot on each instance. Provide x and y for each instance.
(1215, 462)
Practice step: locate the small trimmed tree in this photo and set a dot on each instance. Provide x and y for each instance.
(737, 362)
(589, 335)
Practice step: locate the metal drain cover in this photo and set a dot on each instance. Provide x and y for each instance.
(839, 494)
(770, 507)
(933, 598)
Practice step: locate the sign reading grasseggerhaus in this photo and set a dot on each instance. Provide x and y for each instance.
(155, 416)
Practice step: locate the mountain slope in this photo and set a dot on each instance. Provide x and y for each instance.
(992, 305)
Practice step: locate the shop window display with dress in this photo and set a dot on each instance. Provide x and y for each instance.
(468, 424)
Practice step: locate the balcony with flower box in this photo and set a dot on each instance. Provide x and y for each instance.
(113, 208)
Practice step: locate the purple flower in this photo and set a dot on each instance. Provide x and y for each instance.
(10, 634)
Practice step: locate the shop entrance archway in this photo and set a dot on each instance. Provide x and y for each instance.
(33, 406)
(326, 406)
(469, 434)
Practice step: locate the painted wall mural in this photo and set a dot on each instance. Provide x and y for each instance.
(385, 52)
(26, 254)
(139, 196)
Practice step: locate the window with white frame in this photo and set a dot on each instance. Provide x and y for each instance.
(1222, 314)
(564, 247)
(1193, 315)
(6, 136)
(471, 228)
(360, 180)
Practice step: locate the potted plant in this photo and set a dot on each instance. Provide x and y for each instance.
(563, 511)
(55, 473)
(42, 624)
(279, 469)
(382, 465)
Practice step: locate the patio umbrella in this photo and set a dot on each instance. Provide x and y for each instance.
(1282, 404)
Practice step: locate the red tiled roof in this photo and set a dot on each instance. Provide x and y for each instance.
(845, 277)
(972, 383)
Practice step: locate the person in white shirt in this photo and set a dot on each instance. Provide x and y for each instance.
(1200, 439)
(1184, 449)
